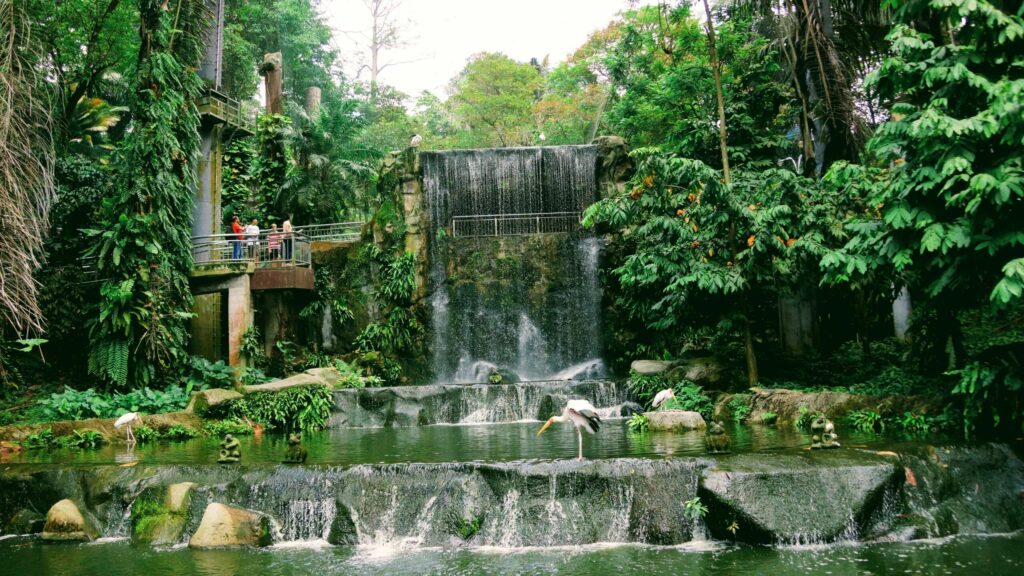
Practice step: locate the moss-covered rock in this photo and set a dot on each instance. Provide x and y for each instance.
(159, 514)
(25, 521)
(204, 400)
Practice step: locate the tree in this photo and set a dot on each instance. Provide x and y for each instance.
(494, 96)
(827, 46)
(384, 35)
(26, 168)
(144, 247)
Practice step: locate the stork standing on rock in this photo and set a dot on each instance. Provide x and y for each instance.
(663, 397)
(126, 420)
(582, 414)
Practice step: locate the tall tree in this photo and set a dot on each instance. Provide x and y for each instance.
(144, 250)
(494, 96)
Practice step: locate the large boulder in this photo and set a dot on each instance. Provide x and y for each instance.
(313, 377)
(204, 400)
(650, 367)
(66, 523)
(675, 420)
(224, 526)
(706, 371)
(785, 404)
(159, 516)
(796, 499)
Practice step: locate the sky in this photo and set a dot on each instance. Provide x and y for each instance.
(442, 34)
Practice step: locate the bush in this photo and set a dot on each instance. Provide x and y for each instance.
(205, 374)
(81, 439)
(72, 404)
(866, 420)
(300, 408)
(179, 432)
(740, 408)
(638, 423)
(645, 386)
(233, 426)
(691, 397)
(145, 435)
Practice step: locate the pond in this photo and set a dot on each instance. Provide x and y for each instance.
(990, 555)
(461, 443)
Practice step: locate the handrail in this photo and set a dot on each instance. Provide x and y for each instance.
(266, 250)
(337, 231)
(515, 224)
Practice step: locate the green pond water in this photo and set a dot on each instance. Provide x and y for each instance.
(989, 556)
(459, 443)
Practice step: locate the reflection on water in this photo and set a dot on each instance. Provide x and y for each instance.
(991, 556)
(462, 443)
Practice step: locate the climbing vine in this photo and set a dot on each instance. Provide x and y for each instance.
(143, 249)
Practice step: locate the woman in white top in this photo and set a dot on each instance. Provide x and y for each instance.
(252, 238)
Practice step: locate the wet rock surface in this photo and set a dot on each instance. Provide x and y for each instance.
(675, 420)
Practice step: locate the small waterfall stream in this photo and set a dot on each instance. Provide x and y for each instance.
(527, 306)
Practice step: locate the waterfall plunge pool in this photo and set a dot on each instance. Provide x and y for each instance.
(459, 443)
(991, 555)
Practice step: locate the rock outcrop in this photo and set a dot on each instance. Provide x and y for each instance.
(224, 526)
(66, 523)
(675, 420)
(159, 515)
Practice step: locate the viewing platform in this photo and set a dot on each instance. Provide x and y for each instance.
(515, 224)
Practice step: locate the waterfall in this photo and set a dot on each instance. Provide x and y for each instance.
(525, 305)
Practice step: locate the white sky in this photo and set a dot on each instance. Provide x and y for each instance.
(442, 34)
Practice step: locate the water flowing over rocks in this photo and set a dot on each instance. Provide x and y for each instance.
(455, 404)
(814, 497)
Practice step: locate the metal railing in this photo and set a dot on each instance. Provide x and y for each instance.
(266, 250)
(335, 232)
(515, 224)
(230, 110)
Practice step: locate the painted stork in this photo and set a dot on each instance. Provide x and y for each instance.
(582, 415)
(126, 420)
(663, 397)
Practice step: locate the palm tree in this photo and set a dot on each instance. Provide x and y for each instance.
(827, 47)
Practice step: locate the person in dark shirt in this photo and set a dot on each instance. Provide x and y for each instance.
(236, 244)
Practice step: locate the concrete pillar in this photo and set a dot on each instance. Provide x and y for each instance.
(206, 217)
(240, 317)
(796, 323)
(211, 68)
(901, 310)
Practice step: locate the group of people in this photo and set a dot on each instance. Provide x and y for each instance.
(279, 242)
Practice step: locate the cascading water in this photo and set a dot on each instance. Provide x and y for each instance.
(528, 305)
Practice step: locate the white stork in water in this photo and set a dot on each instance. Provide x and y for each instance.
(582, 415)
(127, 420)
(663, 397)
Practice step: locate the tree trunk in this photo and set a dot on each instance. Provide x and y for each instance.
(273, 82)
(723, 143)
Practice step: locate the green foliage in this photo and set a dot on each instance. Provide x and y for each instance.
(252, 348)
(638, 423)
(72, 404)
(740, 409)
(205, 374)
(79, 439)
(769, 418)
(866, 420)
(252, 376)
(466, 528)
(914, 422)
(145, 435)
(804, 418)
(691, 397)
(143, 238)
(9, 350)
(645, 386)
(949, 207)
(303, 408)
(993, 392)
(233, 426)
(494, 95)
(350, 376)
(694, 508)
(82, 439)
(40, 440)
(179, 432)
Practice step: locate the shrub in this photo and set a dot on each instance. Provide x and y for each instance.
(805, 417)
(81, 439)
(233, 426)
(72, 404)
(638, 423)
(866, 420)
(145, 434)
(691, 397)
(645, 386)
(300, 408)
(740, 408)
(769, 418)
(42, 439)
(179, 432)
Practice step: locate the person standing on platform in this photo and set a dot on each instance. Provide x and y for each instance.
(236, 242)
(252, 238)
(286, 231)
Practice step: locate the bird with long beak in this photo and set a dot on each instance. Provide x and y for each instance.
(127, 420)
(663, 397)
(582, 415)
